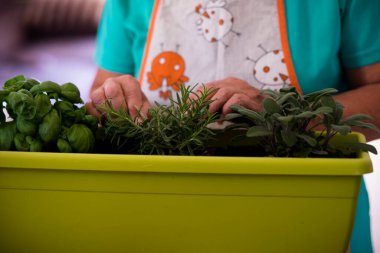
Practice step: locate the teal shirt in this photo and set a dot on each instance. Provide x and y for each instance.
(325, 37)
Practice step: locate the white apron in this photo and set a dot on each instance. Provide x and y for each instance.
(198, 41)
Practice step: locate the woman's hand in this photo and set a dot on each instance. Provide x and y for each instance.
(121, 91)
(233, 91)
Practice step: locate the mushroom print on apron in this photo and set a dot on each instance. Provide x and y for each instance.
(194, 42)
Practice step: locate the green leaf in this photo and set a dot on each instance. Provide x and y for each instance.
(282, 99)
(7, 132)
(289, 138)
(270, 93)
(43, 104)
(271, 106)
(237, 125)
(232, 116)
(91, 122)
(249, 113)
(29, 83)
(328, 120)
(328, 101)
(25, 126)
(305, 115)
(365, 125)
(14, 84)
(357, 146)
(310, 140)
(342, 129)
(3, 95)
(64, 107)
(22, 104)
(289, 89)
(64, 146)
(258, 131)
(71, 93)
(20, 143)
(50, 127)
(338, 113)
(81, 138)
(294, 102)
(286, 119)
(355, 118)
(315, 96)
(48, 87)
(323, 110)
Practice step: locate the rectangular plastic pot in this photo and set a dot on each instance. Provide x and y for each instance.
(51, 202)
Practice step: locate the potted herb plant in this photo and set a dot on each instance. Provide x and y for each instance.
(178, 190)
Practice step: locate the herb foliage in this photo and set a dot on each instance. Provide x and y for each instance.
(44, 117)
(286, 125)
(179, 128)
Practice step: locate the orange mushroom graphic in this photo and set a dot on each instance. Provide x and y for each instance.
(167, 73)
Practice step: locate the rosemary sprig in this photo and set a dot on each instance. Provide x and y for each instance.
(179, 128)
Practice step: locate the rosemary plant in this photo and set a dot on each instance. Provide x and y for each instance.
(179, 128)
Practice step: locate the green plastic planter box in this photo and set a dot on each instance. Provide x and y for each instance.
(51, 202)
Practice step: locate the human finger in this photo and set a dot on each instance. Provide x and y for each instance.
(114, 94)
(242, 100)
(135, 98)
(219, 99)
(91, 109)
(97, 98)
(200, 90)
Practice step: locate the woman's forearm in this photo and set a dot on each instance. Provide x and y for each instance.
(365, 99)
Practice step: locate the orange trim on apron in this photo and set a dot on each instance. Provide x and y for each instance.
(149, 39)
(285, 45)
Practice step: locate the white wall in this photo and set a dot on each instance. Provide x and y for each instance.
(373, 186)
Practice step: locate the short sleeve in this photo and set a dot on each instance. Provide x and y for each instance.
(114, 41)
(360, 40)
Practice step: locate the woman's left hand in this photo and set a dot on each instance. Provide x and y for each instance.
(233, 91)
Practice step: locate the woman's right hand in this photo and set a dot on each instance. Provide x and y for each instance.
(122, 91)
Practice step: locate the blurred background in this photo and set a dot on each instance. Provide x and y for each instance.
(49, 40)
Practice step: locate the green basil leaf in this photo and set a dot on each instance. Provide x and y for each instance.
(50, 127)
(26, 126)
(71, 92)
(14, 84)
(22, 104)
(64, 146)
(7, 133)
(43, 104)
(48, 87)
(3, 95)
(20, 142)
(81, 138)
